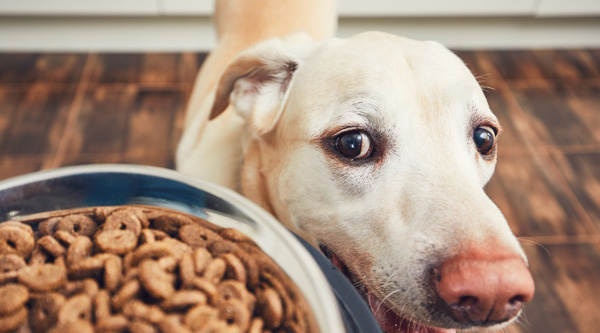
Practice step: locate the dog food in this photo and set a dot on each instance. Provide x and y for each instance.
(139, 269)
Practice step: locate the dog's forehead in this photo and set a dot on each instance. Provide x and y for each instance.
(387, 73)
(376, 57)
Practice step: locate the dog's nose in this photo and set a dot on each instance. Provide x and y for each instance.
(484, 291)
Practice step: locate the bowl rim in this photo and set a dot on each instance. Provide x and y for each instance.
(321, 298)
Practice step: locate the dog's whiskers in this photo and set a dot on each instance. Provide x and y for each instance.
(533, 241)
(386, 297)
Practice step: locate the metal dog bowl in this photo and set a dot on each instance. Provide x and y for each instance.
(335, 303)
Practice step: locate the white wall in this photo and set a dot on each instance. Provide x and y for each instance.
(185, 25)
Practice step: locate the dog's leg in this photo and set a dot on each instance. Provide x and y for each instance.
(212, 151)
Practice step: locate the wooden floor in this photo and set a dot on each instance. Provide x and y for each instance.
(66, 109)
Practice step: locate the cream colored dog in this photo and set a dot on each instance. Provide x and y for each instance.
(375, 148)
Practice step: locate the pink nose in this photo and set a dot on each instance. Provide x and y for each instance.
(484, 290)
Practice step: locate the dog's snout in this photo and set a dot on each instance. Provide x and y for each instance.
(483, 291)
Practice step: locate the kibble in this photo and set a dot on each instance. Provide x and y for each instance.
(140, 270)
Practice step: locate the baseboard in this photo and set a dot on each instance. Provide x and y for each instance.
(177, 34)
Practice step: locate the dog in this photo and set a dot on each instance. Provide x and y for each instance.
(374, 148)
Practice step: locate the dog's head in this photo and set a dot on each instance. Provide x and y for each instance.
(376, 148)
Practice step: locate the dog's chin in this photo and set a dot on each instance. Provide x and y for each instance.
(389, 320)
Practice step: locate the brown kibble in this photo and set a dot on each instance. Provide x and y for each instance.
(201, 259)
(206, 286)
(235, 268)
(248, 254)
(64, 237)
(159, 235)
(112, 323)
(51, 245)
(177, 247)
(48, 227)
(186, 270)
(77, 326)
(234, 312)
(11, 321)
(87, 286)
(293, 327)
(15, 239)
(124, 220)
(102, 304)
(252, 268)
(219, 326)
(195, 235)
(168, 264)
(8, 277)
(141, 327)
(25, 227)
(77, 224)
(147, 236)
(39, 256)
(150, 251)
(230, 289)
(43, 277)
(183, 299)
(88, 267)
(127, 259)
(12, 297)
(155, 280)
(60, 261)
(275, 280)
(170, 223)
(11, 263)
(222, 246)
(116, 241)
(236, 236)
(137, 310)
(141, 270)
(75, 308)
(101, 213)
(270, 307)
(44, 311)
(215, 270)
(197, 317)
(127, 292)
(172, 324)
(256, 326)
(113, 271)
(81, 247)
(131, 273)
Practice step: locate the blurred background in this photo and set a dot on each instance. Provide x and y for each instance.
(85, 81)
(176, 25)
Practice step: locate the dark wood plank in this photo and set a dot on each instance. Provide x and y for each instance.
(563, 115)
(157, 160)
(530, 193)
(582, 171)
(11, 166)
(556, 65)
(567, 281)
(133, 121)
(19, 68)
(147, 126)
(152, 68)
(29, 119)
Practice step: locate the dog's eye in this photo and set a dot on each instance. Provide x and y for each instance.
(354, 144)
(484, 138)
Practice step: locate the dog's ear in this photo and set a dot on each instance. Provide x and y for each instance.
(257, 82)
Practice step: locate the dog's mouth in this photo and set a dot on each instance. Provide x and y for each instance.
(388, 319)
